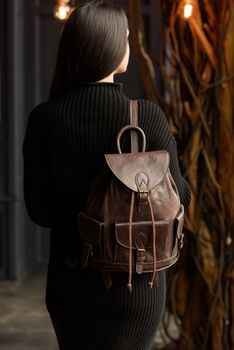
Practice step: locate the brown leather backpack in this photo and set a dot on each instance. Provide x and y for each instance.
(133, 218)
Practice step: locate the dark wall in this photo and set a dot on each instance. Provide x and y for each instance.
(12, 129)
(29, 37)
(2, 141)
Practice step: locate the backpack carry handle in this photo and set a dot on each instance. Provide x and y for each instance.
(131, 127)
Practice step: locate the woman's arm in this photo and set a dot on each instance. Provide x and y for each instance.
(45, 205)
(36, 171)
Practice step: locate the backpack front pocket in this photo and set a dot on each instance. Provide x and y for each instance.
(142, 243)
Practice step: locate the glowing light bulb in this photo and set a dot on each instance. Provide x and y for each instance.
(62, 10)
(188, 10)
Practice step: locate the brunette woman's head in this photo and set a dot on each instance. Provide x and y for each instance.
(93, 44)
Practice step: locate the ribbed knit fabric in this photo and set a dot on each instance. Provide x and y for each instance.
(64, 147)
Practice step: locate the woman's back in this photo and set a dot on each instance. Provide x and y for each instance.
(64, 147)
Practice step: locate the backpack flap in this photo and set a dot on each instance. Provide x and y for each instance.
(137, 170)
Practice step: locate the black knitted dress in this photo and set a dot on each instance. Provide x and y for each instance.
(64, 147)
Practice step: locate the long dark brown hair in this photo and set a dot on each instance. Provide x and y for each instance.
(92, 45)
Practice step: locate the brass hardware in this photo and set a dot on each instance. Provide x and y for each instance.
(180, 240)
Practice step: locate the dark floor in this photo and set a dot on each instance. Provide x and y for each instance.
(24, 321)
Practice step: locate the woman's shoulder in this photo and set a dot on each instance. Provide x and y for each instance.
(154, 122)
(40, 112)
(52, 105)
(150, 108)
(39, 109)
(152, 112)
(148, 103)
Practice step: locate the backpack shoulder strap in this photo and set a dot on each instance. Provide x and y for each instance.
(134, 122)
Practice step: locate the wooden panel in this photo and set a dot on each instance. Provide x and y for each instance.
(47, 34)
(2, 144)
(2, 241)
(42, 35)
(14, 133)
(2, 99)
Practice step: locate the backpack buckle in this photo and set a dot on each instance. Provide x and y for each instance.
(180, 240)
(143, 196)
(140, 256)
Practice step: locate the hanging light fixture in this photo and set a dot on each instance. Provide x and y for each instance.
(187, 8)
(62, 9)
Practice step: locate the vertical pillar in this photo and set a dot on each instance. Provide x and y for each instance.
(15, 237)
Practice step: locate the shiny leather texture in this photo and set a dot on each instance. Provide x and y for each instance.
(150, 237)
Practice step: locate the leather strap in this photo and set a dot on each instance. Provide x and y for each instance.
(134, 122)
(134, 149)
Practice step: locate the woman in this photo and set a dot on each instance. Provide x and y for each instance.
(64, 145)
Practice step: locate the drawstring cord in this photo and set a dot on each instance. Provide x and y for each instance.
(152, 281)
(130, 242)
(154, 243)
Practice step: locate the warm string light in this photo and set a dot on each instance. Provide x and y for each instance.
(62, 9)
(187, 9)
